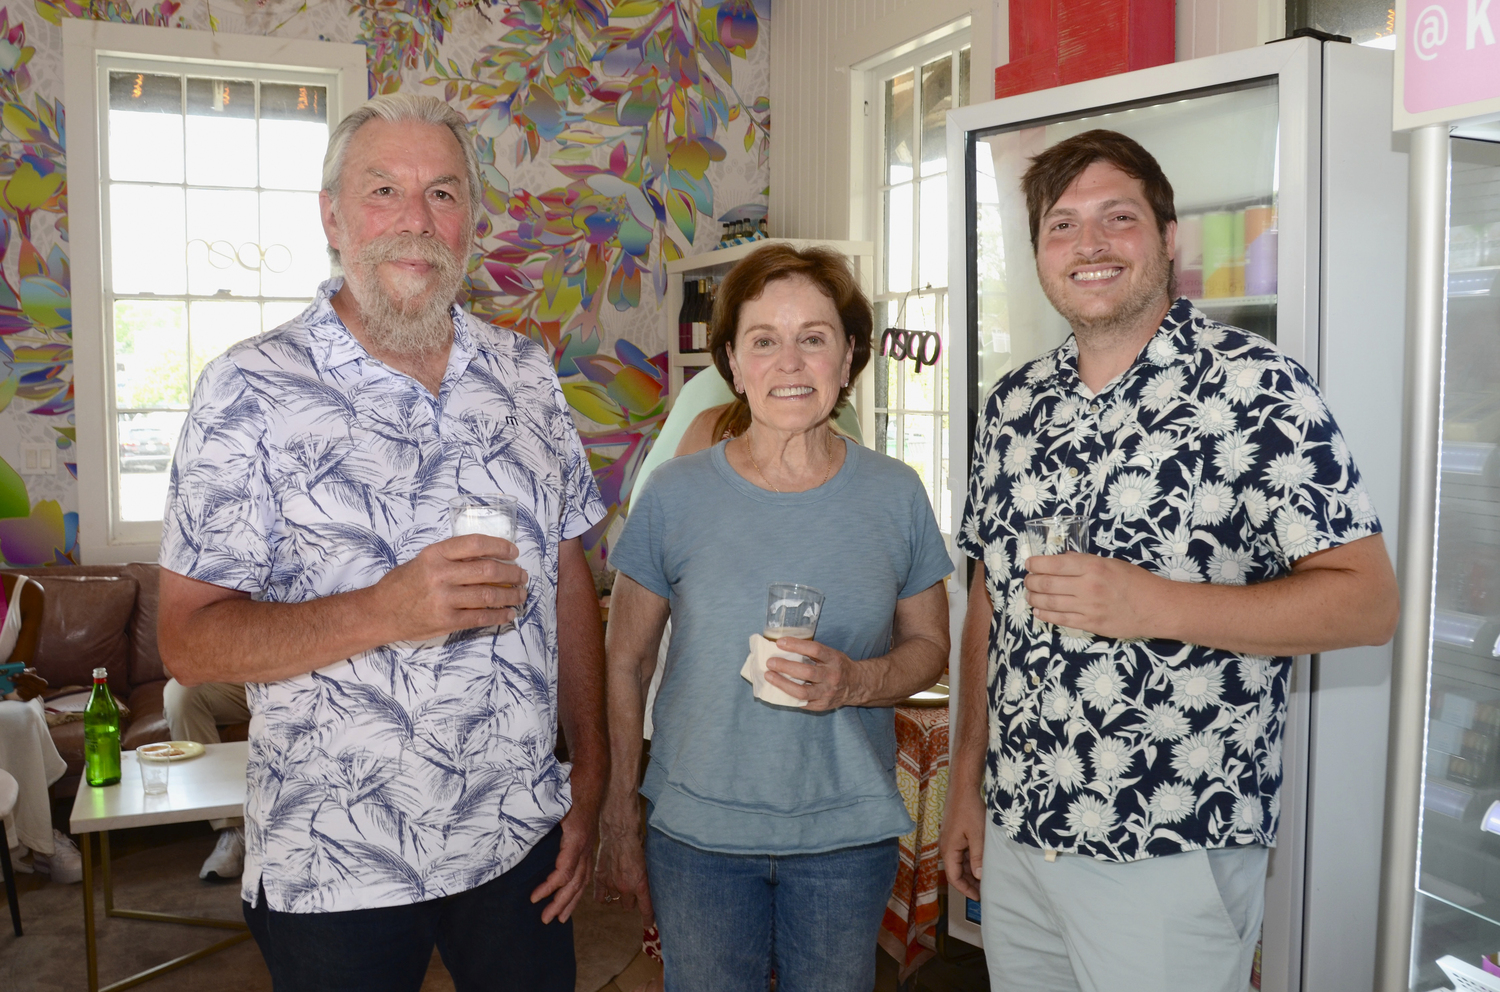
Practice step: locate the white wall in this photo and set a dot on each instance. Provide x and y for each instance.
(815, 45)
(1208, 27)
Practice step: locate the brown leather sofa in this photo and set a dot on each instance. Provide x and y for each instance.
(93, 616)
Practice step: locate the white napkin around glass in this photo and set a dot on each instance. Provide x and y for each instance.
(754, 672)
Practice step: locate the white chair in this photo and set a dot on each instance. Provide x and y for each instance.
(8, 792)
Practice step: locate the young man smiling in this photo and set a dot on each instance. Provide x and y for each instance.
(1115, 780)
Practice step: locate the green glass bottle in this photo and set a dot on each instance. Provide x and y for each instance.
(101, 734)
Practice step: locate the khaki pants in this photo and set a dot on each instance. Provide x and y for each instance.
(1183, 922)
(195, 712)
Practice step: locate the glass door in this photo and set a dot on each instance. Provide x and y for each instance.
(1218, 147)
(1457, 919)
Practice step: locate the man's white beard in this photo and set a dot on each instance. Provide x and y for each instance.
(1154, 286)
(411, 316)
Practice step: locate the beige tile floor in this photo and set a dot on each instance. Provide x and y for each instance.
(157, 868)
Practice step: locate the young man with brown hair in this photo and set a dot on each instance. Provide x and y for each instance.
(1115, 780)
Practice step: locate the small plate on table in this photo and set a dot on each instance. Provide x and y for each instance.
(183, 750)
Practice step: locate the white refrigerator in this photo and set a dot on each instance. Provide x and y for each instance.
(1291, 198)
(1441, 893)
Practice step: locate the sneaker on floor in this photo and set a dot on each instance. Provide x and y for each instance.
(16, 854)
(64, 864)
(228, 859)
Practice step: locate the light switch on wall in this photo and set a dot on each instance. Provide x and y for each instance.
(37, 459)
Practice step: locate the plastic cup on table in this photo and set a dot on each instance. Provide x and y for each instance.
(156, 765)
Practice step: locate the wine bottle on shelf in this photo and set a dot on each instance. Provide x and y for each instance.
(685, 317)
(706, 314)
(700, 317)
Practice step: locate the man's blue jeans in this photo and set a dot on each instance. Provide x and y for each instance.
(491, 938)
(727, 920)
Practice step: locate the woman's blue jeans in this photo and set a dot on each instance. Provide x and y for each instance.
(727, 920)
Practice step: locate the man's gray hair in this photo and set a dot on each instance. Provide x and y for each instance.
(399, 108)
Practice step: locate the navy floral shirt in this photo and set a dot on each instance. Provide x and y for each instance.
(1211, 459)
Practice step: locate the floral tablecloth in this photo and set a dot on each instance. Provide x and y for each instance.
(909, 930)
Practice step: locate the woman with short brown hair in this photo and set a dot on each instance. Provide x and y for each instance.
(771, 840)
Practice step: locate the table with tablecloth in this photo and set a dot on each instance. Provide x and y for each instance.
(909, 931)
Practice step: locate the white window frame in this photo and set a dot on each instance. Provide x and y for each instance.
(877, 72)
(102, 538)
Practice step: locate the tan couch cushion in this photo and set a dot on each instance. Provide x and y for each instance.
(85, 625)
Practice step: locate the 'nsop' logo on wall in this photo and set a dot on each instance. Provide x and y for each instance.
(1451, 58)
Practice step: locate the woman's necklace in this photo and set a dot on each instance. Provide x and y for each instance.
(828, 448)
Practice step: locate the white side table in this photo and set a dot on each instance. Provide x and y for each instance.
(202, 788)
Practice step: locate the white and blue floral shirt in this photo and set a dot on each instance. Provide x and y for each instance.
(1211, 459)
(307, 468)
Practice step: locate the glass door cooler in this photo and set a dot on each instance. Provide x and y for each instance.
(1455, 905)
(1290, 199)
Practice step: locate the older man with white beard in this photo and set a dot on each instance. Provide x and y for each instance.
(405, 687)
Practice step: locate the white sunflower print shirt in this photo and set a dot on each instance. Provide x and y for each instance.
(1212, 459)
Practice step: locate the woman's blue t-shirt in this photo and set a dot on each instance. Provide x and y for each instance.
(728, 772)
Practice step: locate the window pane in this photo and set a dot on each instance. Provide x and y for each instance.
(963, 78)
(898, 239)
(933, 257)
(898, 129)
(217, 325)
(892, 374)
(145, 127)
(147, 240)
(918, 448)
(293, 135)
(146, 443)
(273, 315)
(150, 354)
(921, 390)
(220, 132)
(937, 100)
(296, 258)
(223, 249)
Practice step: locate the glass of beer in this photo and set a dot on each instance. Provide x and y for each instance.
(792, 610)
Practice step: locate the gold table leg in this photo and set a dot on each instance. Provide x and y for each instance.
(242, 931)
(87, 849)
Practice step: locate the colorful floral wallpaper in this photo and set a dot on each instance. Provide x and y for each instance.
(614, 137)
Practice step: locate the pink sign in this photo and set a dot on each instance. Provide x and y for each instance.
(1452, 53)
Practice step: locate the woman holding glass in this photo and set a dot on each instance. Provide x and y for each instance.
(771, 829)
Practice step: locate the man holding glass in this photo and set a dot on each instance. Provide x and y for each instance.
(1115, 779)
(405, 686)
